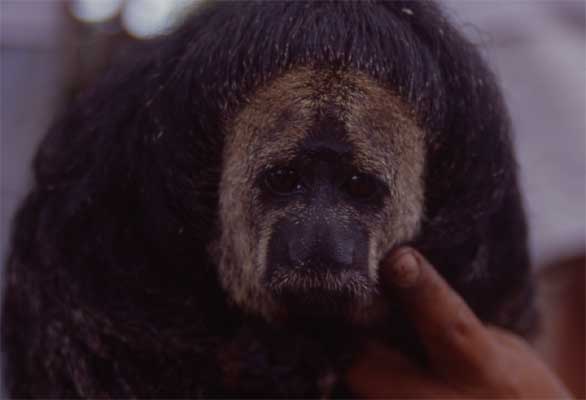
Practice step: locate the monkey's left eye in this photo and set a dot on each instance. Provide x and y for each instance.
(361, 187)
(283, 181)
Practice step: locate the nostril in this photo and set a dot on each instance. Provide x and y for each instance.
(317, 246)
(343, 252)
(328, 253)
(299, 251)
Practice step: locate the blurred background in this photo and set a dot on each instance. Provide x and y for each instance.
(50, 49)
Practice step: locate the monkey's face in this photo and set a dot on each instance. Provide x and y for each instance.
(322, 177)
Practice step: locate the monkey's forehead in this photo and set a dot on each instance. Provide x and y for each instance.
(335, 106)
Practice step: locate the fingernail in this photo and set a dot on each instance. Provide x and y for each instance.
(405, 270)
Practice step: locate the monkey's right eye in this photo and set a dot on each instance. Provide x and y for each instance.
(283, 181)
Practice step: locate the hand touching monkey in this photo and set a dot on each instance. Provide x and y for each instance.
(209, 219)
(466, 358)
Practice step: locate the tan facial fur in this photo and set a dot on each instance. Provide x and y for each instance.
(267, 130)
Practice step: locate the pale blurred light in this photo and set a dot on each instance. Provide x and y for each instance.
(95, 11)
(184, 7)
(147, 18)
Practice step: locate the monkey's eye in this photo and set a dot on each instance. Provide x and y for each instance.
(283, 181)
(361, 187)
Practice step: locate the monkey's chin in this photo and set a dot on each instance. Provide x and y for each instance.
(347, 295)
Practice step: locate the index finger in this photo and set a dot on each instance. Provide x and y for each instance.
(454, 338)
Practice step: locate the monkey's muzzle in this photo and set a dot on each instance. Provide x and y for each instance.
(318, 267)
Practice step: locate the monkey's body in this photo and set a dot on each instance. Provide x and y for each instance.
(133, 272)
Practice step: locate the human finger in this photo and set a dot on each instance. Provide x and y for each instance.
(381, 372)
(454, 338)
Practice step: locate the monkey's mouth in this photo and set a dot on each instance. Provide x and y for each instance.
(305, 292)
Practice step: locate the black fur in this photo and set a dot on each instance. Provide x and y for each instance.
(110, 290)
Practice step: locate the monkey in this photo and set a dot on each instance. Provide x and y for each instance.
(210, 217)
(319, 178)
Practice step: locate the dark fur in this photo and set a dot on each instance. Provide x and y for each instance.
(110, 290)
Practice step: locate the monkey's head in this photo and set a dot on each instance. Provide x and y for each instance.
(324, 134)
(322, 176)
(268, 153)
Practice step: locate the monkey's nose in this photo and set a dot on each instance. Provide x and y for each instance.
(322, 247)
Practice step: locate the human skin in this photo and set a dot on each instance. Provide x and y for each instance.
(466, 359)
(561, 301)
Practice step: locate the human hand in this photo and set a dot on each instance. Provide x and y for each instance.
(466, 358)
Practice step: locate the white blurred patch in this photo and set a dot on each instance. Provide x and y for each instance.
(148, 18)
(95, 11)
